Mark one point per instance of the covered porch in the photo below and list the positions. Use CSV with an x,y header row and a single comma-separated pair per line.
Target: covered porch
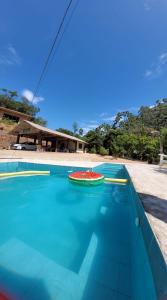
x,y
47,139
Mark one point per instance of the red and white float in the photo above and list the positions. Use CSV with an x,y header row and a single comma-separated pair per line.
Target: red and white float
x,y
86,177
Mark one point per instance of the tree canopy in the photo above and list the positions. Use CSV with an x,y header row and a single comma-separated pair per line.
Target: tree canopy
x,y
66,131
69,132
133,136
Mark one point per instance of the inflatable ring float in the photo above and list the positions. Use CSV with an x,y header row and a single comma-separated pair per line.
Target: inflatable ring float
x,y
87,177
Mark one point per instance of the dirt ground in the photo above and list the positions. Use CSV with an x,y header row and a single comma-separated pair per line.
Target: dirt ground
x,y
57,156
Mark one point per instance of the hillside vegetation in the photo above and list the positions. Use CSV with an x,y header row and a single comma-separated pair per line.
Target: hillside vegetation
x,y
10,99
142,136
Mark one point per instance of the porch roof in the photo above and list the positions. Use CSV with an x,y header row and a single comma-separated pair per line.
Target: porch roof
x,y
15,113
27,128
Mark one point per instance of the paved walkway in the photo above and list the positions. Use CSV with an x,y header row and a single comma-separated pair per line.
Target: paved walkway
x,y
151,183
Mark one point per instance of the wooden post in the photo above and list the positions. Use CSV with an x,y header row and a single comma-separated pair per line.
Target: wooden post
x,y
1,115
56,146
75,146
67,146
18,139
39,147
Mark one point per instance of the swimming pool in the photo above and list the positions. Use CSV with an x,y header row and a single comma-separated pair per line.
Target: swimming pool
x,y
60,240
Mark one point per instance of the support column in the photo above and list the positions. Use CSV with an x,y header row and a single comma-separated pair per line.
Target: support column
x,y
39,146
1,115
56,145
67,146
75,146
18,139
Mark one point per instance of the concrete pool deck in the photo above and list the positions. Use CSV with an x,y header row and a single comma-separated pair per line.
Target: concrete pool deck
x,y
150,182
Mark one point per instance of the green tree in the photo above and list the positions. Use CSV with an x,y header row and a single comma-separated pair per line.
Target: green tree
x,y
66,131
103,151
75,127
13,94
94,139
163,138
40,121
81,131
154,116
92,150
8,100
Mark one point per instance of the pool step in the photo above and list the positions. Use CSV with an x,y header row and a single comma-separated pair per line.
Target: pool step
x,y
28,274
112,171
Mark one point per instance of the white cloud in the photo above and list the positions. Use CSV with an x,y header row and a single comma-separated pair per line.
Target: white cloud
x,y
147,5
109,119
103,114
106,117
88,125
85,130
93,126
148,73
29,96
157,68
9,56
132,109
93,121
163,58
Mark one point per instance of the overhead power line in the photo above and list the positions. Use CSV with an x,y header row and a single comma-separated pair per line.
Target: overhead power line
x,y
60,38
52,49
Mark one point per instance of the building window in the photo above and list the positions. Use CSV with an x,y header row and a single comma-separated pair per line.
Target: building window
x,y
80,146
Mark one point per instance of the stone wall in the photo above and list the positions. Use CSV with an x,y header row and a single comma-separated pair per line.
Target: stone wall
x,y
6,140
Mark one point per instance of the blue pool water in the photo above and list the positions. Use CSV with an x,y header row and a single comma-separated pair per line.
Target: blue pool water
x,y
60,240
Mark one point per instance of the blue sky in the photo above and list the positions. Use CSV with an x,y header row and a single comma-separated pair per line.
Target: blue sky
x,y
113,57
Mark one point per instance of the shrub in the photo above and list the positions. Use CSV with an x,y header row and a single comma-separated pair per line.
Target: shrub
x,y
103,151
8,121
152,150
93,150
164,139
